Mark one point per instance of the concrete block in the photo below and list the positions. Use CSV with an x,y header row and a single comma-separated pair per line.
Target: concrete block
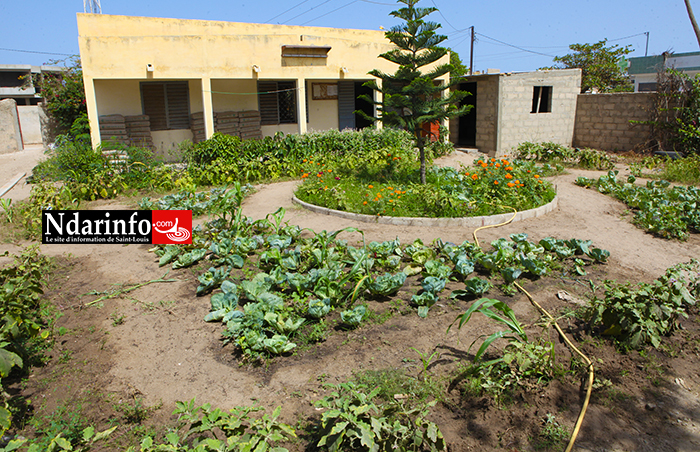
x,y
10,133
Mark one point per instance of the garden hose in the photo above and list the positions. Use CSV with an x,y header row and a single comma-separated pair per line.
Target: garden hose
x,y
571,346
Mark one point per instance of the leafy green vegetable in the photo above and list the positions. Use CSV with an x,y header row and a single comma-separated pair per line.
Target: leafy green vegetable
x,y
190,258
433,284
437,269
387,284
353,318
211,280
223,303
474,287
319,308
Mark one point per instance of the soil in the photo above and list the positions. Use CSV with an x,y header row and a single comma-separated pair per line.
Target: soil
x,y
152,347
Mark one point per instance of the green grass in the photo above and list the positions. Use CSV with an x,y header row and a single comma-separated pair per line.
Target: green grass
x,y
684,171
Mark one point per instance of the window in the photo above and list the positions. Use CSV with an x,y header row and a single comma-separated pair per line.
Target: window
x,y
166,104
643,87
541,99
277,102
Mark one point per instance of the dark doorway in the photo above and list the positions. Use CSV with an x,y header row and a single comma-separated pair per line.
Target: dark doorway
x,y
363,105
467,123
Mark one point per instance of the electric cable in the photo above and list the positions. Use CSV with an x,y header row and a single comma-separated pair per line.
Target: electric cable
x,y
329,12
285,12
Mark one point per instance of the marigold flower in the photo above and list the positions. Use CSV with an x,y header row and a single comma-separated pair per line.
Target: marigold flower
x,y
509,176
329,170
304,160
537,176
364,203
389,188
511,184
320,174
493,159
497,165
529,171
395,158
371,186
475,176
508,168
516,181
495,182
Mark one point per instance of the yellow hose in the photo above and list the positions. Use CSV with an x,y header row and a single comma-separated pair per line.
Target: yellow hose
x,y
544,312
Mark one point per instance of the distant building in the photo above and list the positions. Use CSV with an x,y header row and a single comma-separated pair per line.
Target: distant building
x,y
643,70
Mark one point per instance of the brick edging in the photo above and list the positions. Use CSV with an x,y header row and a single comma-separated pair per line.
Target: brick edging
x,y
466,222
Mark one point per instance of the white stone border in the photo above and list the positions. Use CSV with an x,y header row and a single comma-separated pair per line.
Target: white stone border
x,y
465,222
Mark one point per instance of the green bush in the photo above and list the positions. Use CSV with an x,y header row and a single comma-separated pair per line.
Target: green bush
x,y
556,153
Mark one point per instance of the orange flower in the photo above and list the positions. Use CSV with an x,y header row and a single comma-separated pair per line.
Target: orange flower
x,y
304,160
529,171
364,203
508,168
517,181
320,174
537,176
379,195
371,186
483,164
329,170
497,165
395,158
475,176
366,194
495,182
511,184
493,159
509,176
389,188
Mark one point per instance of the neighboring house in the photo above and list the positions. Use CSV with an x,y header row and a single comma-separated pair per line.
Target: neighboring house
x,y
512,108
643,70
194,77
17,83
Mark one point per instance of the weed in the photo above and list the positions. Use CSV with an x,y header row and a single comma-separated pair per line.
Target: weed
x,y
135,412
117,319
552,435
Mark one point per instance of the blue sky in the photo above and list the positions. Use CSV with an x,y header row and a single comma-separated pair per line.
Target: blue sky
x,y
530,32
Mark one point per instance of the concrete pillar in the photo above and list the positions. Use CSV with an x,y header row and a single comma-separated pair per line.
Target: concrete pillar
x,y
207,107
93,114
10,132
301,104
378,96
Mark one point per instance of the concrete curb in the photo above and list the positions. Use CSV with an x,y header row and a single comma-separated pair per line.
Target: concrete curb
x,y
464,222
8,186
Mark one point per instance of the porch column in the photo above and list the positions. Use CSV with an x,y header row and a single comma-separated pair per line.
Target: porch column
x,y
207,108
93,116
378,96
301,104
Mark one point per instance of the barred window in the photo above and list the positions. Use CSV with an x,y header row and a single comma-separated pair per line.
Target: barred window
x,y
167,104
277,102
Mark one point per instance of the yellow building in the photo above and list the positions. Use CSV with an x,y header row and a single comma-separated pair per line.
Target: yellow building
x,y
184,72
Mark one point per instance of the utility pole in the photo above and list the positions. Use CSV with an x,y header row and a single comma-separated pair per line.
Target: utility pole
x,y
692,20
646,50
471,54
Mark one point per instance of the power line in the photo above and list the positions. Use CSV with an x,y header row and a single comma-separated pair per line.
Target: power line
x,y
378,3
308,10
281,14
34,51
516,47
445,18
329,12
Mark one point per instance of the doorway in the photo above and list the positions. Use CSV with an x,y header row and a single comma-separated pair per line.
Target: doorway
x,y
467,123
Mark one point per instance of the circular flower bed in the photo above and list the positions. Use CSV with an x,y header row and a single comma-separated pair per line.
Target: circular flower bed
x,y
385,182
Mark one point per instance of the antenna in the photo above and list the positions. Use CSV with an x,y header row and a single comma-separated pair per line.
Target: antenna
x,y
92,6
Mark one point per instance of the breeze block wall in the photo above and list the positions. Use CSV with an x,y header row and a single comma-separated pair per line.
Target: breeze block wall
x,y
603,121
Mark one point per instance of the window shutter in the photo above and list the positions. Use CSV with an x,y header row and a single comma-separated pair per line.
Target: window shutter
x,y
153,98
346,105
267,102
166,104
177,96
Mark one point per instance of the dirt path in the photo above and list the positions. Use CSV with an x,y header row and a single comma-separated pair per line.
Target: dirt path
x,y
157,345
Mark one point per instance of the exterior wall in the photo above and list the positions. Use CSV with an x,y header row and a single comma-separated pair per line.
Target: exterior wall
x,y
603,120
118,97
323,114
10,135
234,102
30,124
487,113
208,52
516,123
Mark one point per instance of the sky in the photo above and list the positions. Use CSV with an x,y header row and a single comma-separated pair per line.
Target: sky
x,y
512,36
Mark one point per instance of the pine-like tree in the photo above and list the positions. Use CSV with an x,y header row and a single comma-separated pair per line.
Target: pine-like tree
x,y
411,98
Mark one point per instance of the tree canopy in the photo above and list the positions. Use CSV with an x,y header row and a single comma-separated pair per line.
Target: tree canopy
x,y
599,64
412,98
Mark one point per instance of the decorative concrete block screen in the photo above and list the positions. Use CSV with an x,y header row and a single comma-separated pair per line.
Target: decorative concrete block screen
x,y
603,121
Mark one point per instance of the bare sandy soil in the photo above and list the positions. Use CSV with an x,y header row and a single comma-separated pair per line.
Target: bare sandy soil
x,y
154,344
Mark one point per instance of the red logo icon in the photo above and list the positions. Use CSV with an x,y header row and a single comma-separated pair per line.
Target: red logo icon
x,y
171,227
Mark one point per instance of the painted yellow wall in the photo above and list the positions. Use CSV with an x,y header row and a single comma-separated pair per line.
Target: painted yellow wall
x,y
215,55
121,97
323,114
227,95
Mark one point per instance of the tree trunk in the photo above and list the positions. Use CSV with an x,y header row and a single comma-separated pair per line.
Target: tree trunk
x,y
421,151
693,21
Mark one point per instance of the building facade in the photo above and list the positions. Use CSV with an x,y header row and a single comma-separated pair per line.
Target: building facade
x,y
191,78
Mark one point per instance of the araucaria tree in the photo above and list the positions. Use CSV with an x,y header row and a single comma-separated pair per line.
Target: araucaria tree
x,y
412,98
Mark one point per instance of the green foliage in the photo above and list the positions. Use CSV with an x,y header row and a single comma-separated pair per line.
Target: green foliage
x,y
684,170
411,98
548,152
20,291
63,93
385,182
641,314
669,212
200,428
83,441
600,66
552,435
352,420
